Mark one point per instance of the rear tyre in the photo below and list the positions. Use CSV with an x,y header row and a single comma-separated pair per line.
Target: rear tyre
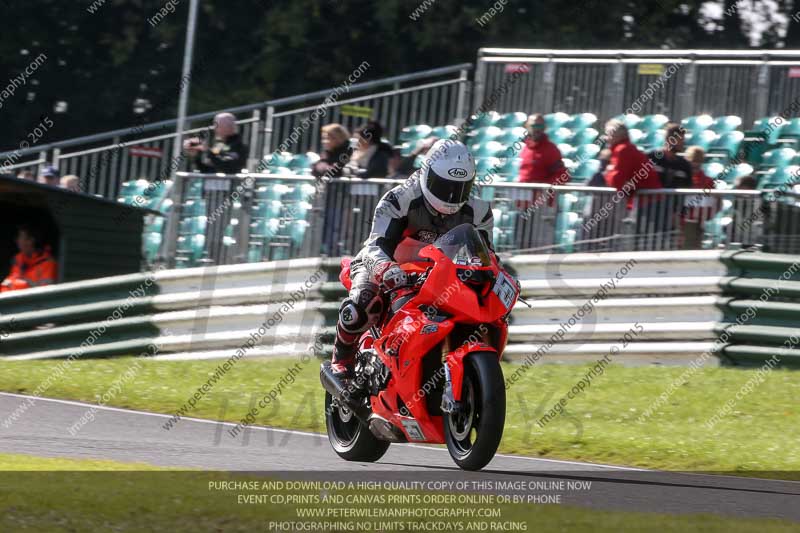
x,y
473,435
351,439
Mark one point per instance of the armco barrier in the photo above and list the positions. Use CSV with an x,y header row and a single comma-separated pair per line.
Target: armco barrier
x,y
764,288
683,302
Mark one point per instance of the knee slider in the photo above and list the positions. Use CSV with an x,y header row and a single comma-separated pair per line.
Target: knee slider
x,y
361,309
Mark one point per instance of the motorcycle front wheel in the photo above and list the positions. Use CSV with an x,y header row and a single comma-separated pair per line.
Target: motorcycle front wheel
x,y
351,439
473,434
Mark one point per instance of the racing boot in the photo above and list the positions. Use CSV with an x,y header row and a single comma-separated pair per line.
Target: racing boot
x,y
344,354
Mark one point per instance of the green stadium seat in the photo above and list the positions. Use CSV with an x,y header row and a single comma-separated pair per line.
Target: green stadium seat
x,y
780,177
414,133
444,132
652,123
584,136
511,168
553,121
192,247
631,120
765,130
790,132
581,121
566,149
741,170
278,160
585,152
512,135
703,139
302,163
584,171
727,124
483,135
155,224
194,208
713,170
484,120
193,189
300,192
152,243
652,139
560,135
488,149
635,135
268,209
727,144
296,231
778,158
698,123
407,148
512,120
192,225
265,229
487,166
299,210
271,191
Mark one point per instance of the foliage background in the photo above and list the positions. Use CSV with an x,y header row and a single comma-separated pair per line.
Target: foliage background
x,y
114,69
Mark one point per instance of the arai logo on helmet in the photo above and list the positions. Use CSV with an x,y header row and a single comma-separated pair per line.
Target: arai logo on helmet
x,y
457,172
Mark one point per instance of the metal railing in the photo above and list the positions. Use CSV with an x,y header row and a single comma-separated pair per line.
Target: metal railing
x,y
227,219
676,83
105,160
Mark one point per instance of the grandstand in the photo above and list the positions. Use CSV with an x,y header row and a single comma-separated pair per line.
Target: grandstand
x,y
279,214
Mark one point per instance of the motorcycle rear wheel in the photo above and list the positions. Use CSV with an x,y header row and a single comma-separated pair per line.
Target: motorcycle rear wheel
x,y
473,435
349,437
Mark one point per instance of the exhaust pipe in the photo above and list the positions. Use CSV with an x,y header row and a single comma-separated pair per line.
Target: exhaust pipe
x,y
339,390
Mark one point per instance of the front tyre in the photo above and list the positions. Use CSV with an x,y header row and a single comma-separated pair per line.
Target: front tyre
x,y
350,439
473,434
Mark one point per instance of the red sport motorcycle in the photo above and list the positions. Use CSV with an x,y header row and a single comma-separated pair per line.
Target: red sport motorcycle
x,y
430,372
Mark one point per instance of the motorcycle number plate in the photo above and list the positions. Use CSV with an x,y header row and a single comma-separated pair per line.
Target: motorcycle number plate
x,y
505,290
413,430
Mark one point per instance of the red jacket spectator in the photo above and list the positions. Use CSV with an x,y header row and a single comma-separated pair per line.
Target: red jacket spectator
x,y
33,270
630,170
541,162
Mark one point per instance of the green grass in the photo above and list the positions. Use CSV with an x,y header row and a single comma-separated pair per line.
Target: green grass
x,y
61,502
760,435
11,462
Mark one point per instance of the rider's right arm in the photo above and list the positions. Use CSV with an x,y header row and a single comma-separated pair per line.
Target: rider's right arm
x,y
388,225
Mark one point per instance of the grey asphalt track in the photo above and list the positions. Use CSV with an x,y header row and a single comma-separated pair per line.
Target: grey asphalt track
x,y
135,436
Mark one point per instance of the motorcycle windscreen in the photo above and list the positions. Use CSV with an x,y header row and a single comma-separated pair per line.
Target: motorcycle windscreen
x,y
464,246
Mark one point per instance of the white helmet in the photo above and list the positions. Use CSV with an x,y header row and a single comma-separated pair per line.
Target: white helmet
x,y
447,175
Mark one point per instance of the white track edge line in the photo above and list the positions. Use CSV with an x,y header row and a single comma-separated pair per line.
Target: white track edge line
x,y
294,432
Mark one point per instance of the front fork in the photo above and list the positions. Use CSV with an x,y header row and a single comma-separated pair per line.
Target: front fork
x,y
454,373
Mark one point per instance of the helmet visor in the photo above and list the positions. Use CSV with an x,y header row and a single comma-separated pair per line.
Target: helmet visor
x,y
447,189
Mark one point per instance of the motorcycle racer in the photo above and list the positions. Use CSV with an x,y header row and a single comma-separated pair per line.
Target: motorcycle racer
x,y
434,200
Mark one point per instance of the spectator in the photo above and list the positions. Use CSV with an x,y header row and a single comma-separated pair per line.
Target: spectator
x,y
336,152
371,157
396,170
675,171
335,155
628,169
71,182
541,159
227,154
50,176
26,175
598,180
698,208
34,265
408,164
747,183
